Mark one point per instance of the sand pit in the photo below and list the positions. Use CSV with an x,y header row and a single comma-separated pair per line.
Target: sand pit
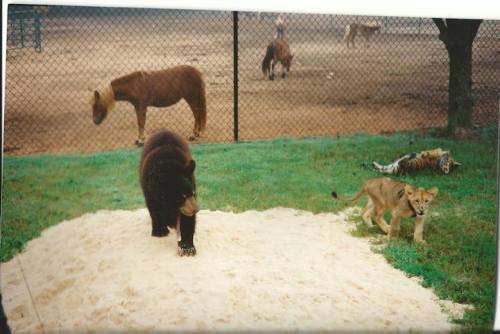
x,y
277,269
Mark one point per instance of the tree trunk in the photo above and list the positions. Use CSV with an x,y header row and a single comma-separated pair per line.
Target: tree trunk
x,y
458,35
460,87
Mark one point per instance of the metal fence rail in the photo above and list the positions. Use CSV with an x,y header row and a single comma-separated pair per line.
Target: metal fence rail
x,y
397,81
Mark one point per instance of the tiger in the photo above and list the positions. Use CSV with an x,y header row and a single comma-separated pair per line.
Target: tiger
x,y
367,30
432,159
403,199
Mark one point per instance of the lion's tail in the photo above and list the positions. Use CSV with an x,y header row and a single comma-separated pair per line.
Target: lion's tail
x,y
266,62
352,199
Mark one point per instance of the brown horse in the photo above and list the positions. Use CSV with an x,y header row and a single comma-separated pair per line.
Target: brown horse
x,y
158,89
277,51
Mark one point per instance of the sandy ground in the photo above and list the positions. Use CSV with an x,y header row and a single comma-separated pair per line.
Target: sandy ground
x,y
398,83
276,269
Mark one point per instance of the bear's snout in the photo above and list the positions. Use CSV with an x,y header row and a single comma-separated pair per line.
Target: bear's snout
x,y
190,207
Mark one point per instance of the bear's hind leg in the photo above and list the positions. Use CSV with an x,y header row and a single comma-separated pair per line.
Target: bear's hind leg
x,y
159,227
159,219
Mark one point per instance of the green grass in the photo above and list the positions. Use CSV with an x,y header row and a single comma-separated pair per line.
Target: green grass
x,y
459,261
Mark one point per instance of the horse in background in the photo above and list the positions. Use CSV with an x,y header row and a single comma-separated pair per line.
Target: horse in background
x,y
277,51
366,30
161,88
280,27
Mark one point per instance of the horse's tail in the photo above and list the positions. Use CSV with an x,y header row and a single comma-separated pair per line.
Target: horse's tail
x,y
203,106
266,62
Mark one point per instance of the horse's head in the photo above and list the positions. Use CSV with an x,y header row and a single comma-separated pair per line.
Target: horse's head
x,y
99,111
101,104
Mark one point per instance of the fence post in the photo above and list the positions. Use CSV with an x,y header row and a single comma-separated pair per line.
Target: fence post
x,y
38,34
235,75
21,27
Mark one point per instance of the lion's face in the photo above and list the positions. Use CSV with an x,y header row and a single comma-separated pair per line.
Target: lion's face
x,y
99,111
420,199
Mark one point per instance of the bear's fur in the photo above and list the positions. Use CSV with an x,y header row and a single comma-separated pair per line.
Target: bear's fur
x,y
167,180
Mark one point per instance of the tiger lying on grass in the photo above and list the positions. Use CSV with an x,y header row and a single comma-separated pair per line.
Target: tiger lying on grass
x,y
433,159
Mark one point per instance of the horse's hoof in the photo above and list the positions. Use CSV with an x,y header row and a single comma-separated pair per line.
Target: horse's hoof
x,y
271,77
283,75
191,138
139,143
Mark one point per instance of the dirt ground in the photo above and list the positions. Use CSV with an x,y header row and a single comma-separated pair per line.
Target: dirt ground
x,y
398,83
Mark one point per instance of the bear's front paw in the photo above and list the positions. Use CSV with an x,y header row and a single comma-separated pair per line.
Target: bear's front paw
x,y
185,249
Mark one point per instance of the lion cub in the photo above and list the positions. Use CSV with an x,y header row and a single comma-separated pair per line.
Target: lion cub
x,y
401,198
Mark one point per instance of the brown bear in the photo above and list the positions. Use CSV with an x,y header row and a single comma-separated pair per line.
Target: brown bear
x,y
167,180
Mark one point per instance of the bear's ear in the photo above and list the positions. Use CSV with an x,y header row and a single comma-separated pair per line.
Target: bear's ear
x,y
191,166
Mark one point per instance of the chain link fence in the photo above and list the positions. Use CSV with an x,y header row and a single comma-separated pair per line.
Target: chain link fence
x,y
398,80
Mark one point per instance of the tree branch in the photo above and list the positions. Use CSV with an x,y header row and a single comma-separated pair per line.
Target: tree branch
x,y
443,31
475,27
461,31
